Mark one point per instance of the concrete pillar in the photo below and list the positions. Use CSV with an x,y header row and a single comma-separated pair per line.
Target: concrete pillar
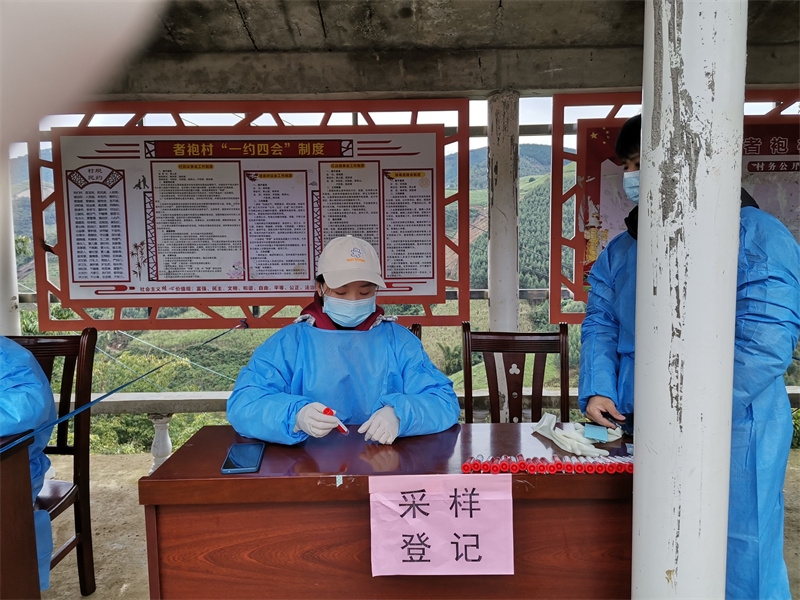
x,y
9,293
694,65
503,132
162,445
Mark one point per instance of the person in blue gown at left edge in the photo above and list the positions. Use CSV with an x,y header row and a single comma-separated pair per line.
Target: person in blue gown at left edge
x,y
342,353
26,402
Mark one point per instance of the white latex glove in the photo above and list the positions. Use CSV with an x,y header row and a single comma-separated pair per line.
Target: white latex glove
x,y
577,444
313,421
570,441
383,426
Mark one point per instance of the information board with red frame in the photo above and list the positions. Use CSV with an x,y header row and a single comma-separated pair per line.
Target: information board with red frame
x,y
590,198
220,219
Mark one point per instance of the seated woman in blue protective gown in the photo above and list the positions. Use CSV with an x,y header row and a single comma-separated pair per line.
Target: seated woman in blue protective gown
x,y
342,360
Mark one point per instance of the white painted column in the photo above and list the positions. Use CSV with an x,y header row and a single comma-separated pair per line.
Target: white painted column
x,y
694,66
9,292
503,132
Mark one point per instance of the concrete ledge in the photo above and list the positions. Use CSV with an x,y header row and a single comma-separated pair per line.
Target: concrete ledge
x,y
193,402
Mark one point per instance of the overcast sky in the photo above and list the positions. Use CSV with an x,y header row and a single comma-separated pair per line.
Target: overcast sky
x,y
532,111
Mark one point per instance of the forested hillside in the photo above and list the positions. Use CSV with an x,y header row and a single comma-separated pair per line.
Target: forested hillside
x,y
534,235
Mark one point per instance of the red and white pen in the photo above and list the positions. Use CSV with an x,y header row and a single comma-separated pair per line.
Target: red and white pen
x,y
339,425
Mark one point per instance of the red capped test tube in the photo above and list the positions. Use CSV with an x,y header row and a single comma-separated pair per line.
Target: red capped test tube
x,y
476,463
558,462
505,465
339,425
599,466
550,465
579,468
533,464
466,466
513,465
486,465
541,466
623,464
494,465
523,465
587,466
568,466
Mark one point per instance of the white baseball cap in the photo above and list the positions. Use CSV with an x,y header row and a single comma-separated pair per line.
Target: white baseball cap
x,y
347,259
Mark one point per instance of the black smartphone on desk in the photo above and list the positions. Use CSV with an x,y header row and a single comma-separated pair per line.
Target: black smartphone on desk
x,y
243,458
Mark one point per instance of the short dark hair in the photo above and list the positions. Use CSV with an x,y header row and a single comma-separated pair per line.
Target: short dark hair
x,y
629,138
320,279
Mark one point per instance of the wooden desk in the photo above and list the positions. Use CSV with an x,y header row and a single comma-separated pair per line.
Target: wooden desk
x,y
300,527
19,569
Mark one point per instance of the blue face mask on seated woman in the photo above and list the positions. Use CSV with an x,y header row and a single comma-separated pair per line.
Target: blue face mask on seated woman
x,y
630,183
348,313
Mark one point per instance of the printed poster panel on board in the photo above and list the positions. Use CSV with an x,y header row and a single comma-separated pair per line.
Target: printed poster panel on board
x,y
770,173
234,216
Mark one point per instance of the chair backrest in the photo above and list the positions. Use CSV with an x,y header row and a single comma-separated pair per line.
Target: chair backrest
x,y
504,356
76,373
416,329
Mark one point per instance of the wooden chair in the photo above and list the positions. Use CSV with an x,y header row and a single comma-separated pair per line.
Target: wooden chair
x,y
504,358
56,496
416,329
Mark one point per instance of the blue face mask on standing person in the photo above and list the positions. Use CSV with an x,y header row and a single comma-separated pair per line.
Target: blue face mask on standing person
x,y
348,313
630,183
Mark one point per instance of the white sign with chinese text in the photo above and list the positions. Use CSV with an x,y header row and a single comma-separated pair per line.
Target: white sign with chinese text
x,y
442,525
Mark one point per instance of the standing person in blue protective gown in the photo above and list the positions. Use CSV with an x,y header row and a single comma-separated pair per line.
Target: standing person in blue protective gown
x,y
26,402
342,353
767,327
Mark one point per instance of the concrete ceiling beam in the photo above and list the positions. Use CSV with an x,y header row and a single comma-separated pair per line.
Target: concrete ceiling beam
x,y
406,74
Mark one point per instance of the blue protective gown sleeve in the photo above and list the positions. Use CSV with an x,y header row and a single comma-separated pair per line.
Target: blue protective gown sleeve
x,y
26,402
607,333
767,328
353,372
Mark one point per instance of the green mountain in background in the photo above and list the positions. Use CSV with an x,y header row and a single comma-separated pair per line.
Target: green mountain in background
x,y
534,159
19,168
20,193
